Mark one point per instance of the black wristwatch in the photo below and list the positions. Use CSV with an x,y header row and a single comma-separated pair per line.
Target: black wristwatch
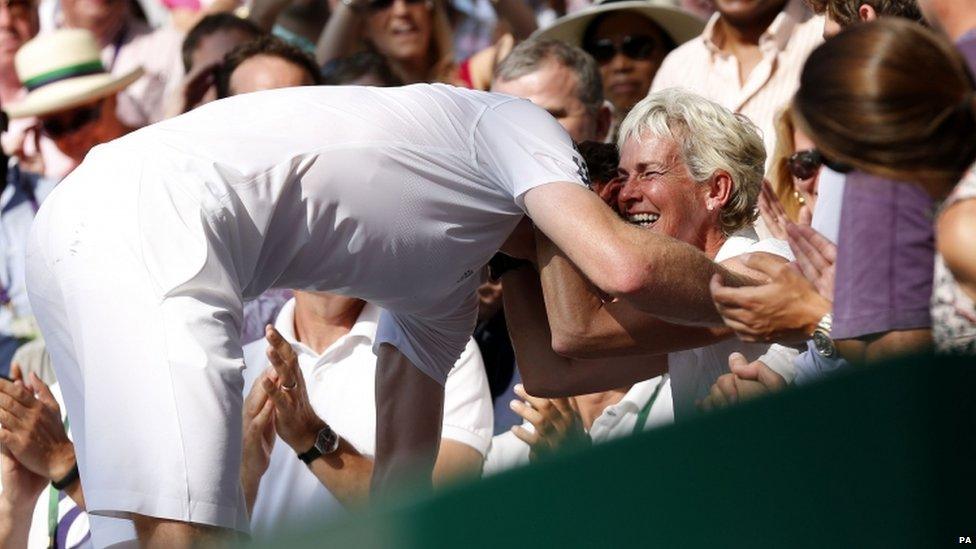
x,y
326,442
501,264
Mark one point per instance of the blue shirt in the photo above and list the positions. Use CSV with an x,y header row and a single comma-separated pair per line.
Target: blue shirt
x,y
18,201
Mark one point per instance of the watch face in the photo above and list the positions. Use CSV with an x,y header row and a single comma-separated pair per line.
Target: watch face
x,y
327,441
823,344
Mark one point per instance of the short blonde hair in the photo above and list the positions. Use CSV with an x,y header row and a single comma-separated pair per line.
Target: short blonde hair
x,y
710,138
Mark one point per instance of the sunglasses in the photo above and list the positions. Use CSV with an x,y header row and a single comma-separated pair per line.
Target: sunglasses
x,y
636,47
806,164
71,121
380,5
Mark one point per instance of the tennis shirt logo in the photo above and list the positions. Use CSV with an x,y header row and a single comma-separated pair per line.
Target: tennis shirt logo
x,y
581,169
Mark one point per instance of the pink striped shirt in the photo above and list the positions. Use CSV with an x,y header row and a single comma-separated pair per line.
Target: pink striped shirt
x,y
700,66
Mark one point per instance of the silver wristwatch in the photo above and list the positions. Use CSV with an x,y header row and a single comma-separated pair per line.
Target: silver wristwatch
x,y
821,337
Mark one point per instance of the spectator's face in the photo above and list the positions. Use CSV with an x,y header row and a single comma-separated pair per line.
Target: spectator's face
x,y
213,47
554,88
640,48
266,72
749,12
402,31
98,16
658,192
18,24
76,130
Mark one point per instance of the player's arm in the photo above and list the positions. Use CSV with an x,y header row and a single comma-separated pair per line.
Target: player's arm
x,y
653,272
586,326
547,374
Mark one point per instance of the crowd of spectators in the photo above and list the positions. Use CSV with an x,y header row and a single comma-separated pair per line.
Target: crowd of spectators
x,y
820,153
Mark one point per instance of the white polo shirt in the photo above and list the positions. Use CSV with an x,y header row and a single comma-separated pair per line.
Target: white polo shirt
x,y
616,421
695,370
341,387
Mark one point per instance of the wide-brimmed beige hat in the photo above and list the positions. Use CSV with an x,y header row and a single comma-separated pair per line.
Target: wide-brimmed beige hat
x,y
678,23
63,69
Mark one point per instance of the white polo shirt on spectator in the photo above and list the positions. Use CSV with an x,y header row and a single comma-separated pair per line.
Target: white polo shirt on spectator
x,y
616,421
695,370
699,65
341,387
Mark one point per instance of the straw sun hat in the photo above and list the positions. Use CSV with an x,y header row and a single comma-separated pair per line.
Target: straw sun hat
x,y
678,23
63,69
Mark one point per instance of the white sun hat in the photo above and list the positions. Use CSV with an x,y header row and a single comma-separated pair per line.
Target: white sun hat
x,y
63,69
681,25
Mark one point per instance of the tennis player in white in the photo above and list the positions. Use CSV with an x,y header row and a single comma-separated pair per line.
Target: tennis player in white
x,y
140,260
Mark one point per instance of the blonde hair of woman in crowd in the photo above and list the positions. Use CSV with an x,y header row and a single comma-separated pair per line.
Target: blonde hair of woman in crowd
x,y
779,176
428,58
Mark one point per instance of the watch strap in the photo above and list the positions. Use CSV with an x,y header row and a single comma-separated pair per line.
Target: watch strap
x,y
67,480
310,455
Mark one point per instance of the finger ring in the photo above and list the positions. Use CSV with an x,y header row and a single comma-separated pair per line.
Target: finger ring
x,y
290,387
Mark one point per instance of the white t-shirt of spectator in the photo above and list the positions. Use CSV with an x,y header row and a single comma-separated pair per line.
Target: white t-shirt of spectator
x,y
341,388
619,420
695,370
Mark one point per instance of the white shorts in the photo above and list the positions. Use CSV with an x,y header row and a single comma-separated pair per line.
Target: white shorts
x,y
150,369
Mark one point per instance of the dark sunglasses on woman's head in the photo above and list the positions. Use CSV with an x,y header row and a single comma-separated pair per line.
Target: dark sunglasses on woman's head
x,y
380,5
805,164
71,121
637,47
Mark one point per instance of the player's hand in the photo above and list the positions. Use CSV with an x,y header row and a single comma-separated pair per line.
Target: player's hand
x,y
295,420
746,380
32,430
259,434
786,309
557,424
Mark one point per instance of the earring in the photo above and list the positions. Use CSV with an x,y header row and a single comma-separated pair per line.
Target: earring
x,y
799,198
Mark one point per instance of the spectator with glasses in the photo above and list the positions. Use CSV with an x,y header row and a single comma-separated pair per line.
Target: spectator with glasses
x,y
629,40
70,92
793,175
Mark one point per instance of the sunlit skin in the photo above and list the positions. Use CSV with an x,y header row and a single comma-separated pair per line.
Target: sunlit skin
x,y
213,47
18,24
267,72
402,33
626,81
657,182
104,18
554,88
749,13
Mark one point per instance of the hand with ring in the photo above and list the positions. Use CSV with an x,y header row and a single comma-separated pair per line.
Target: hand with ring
x,y
295,420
